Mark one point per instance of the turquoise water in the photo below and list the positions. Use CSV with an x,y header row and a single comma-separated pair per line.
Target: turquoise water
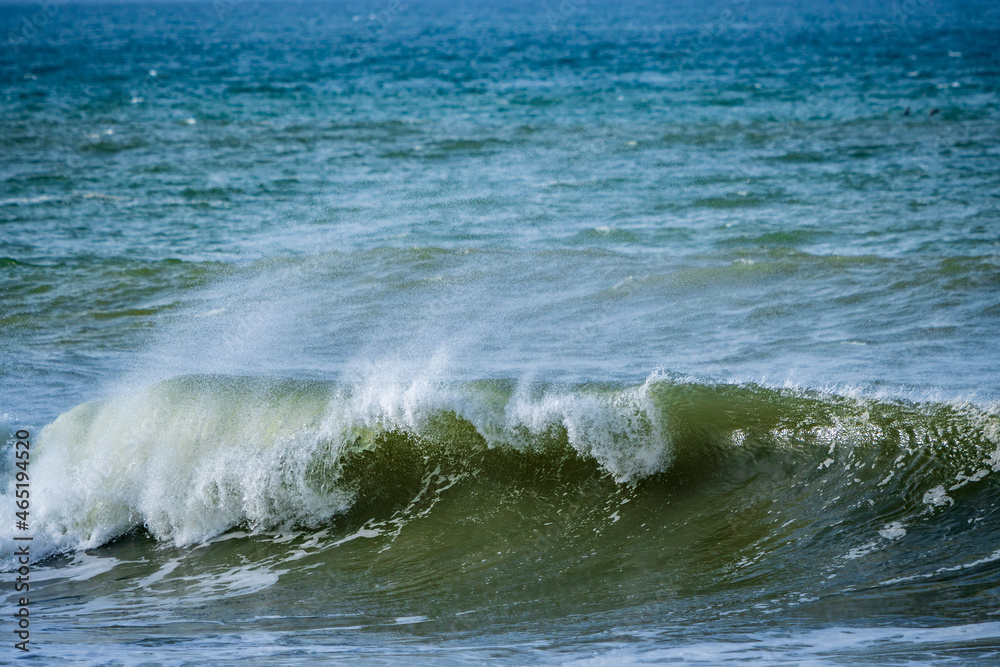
x,y
579,332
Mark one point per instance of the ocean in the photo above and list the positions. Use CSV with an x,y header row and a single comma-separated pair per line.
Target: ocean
x,y
431,332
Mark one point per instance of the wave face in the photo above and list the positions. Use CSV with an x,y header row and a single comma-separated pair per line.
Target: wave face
x,y
654,493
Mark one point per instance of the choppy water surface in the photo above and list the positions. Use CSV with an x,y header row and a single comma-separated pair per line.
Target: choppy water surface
x,y
449,333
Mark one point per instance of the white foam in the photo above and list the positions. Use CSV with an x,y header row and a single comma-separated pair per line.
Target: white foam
x,y
937,497
410,620
893,531
166,569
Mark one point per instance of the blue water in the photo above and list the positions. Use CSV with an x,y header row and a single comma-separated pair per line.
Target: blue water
x,y
330,267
